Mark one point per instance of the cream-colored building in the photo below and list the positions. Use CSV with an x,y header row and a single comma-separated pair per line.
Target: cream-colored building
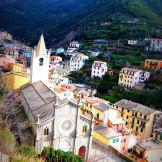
x,y
129,77
138,118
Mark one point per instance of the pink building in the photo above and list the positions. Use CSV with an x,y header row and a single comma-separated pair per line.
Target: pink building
x,y
99,69
55,59
55,62
70,87
111,72
118,140
5,61
11,51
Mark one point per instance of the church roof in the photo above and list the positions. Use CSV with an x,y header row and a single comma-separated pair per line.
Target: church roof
x,y
40,100
41,47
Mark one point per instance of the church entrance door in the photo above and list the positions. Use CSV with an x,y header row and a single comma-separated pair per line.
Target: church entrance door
x,y
82,151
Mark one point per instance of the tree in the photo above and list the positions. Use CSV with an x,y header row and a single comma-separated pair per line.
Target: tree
x,y
51,155
26,150
10,107
7,139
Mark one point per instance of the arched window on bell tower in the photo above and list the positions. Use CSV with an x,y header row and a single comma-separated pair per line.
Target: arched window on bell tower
x,y
46,131
84,129
41,61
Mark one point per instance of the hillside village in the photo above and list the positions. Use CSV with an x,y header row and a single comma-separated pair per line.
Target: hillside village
x,y
101,100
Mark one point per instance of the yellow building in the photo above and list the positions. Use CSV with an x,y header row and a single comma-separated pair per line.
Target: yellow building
x,y
99,136
16,67
138,118
107,136
153,64
95,108
9,36
16,77
14,81
100,112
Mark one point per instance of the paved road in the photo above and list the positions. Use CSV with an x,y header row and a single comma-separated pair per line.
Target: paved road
x,y
99,154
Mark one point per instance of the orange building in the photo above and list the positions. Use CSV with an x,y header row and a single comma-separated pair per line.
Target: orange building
x,y
153,64
5,60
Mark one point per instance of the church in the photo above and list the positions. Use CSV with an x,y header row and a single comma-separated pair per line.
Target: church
x,y
55,123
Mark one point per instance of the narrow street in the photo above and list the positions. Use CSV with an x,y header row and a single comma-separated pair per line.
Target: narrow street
x,y
99,154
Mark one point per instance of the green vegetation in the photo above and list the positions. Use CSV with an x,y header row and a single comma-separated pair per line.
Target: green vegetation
x,y
2,92
7,139
25,153
142,8
149,98
1,51
33,18
51,155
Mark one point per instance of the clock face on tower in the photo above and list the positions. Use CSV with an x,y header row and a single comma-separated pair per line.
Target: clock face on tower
x,y
66,126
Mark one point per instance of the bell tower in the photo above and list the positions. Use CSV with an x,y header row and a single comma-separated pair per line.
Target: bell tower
x,y
40,63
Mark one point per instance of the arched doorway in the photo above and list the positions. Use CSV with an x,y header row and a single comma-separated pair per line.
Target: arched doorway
x,y
82,151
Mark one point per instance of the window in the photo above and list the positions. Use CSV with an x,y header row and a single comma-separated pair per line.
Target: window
x,y
136,129
46,131
84,129
41,61
98,115
117,140
137,121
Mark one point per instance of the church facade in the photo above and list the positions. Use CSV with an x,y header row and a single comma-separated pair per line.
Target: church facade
x,y
56,123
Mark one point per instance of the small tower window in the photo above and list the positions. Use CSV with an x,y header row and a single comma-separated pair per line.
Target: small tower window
x,y
41,61
84,129
46,131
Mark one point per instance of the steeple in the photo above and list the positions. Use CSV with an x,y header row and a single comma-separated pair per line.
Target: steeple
x,y
41,47
40,63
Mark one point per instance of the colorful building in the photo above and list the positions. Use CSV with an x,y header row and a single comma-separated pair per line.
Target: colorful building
x,y
87,105
99,69
5,61
73,46
149,150
11,51
118,140
153,64
157,121
138,118
16,77
100,113
55,59
77,61
129,77
14,81
115,120
16,67
156,44
5,36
